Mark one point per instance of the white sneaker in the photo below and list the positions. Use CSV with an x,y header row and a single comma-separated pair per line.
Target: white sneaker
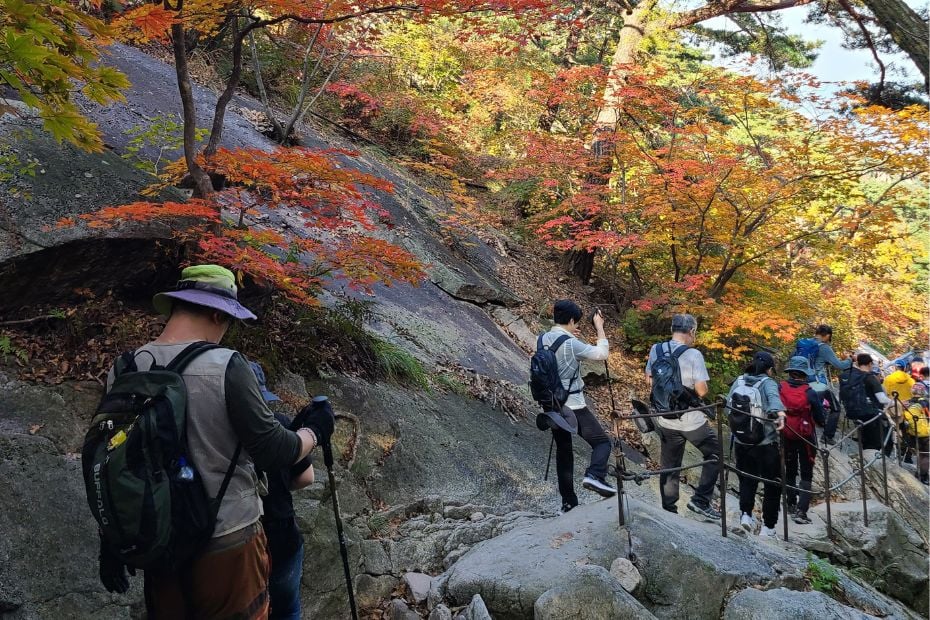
x,y
768,532
598,486
748,522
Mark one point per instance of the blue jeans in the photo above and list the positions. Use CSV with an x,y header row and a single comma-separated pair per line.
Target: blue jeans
x,y
284,585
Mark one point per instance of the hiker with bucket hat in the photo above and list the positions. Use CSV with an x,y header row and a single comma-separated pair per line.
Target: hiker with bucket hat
x,y
285,541
803,408
560,353
229,432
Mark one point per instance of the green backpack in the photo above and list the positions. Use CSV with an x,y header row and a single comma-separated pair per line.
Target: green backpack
x,y
142,486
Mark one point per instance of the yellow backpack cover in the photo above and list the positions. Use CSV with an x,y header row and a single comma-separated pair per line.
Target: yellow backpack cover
x,y
915,414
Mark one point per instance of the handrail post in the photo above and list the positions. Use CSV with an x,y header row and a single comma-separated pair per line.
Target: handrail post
x,y
827,492
723,472
784,490
865,508
885,470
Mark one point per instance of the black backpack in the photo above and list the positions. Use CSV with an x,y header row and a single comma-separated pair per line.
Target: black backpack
x,y
854,397
668,392
545,382
142,487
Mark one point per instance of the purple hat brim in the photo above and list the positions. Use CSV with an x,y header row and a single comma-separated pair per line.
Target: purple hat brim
x,y
203,298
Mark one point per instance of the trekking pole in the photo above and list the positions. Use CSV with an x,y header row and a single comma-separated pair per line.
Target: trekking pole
x,y
343,545
723,470
549,460
619,462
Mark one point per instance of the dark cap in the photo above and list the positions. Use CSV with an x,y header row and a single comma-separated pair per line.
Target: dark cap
x,y
762,361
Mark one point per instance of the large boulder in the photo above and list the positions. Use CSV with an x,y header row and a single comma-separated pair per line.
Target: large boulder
x,y
512,571
888,553
590,593
907,496
784,604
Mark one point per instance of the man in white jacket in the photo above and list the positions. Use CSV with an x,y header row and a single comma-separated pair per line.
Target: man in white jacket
x,y
567,315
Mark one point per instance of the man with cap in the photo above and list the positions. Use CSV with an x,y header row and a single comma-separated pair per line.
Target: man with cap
x,y
285,541
803,408
762,459
690,426
576,416
229,578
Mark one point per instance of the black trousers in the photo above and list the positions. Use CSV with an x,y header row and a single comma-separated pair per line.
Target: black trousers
x,y
593,433
919,447
673,451
833,414
873,433
763,461
799,455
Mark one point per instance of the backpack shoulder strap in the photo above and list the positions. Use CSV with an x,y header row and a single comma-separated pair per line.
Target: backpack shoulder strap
x,y
677,353
185,357
539,343
226,480
558,342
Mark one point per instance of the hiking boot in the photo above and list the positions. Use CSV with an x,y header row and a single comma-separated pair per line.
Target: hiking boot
x,y
801,518
747,522
908,459
925,480
792,508
566,507
830,441
598,486
708,512
768,532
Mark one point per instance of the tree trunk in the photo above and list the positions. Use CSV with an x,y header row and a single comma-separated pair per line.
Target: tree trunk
x,y
219,113
579,263
631,34
202,184
906,28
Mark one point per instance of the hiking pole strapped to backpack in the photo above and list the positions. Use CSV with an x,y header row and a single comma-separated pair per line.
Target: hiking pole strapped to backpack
x,y
343,545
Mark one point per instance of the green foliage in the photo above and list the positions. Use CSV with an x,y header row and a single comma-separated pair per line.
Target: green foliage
x,y
399,366
822,575
46,50
8,350
164,132
763,36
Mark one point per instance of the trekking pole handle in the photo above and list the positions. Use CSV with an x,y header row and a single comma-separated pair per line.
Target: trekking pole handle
x,y
326,444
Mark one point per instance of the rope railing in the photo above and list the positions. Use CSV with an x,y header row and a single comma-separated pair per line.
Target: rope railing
x,y
826,491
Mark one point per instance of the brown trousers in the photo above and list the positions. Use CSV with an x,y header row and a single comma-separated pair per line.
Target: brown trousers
x,y
228,581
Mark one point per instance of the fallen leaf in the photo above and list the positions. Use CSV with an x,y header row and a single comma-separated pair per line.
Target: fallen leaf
x,y
35,428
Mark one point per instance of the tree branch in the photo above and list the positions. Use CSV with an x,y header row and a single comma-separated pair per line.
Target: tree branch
x,y
716,9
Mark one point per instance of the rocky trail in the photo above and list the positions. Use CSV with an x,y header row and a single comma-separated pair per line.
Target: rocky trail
x,y
442,493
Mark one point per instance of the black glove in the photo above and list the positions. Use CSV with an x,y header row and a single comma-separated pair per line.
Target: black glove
x,y
318,417
113,571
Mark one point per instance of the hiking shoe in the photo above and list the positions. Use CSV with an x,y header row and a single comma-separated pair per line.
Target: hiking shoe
x,y
925,480
566,507
708,512
830,441
598,486
768,532
909,459
792,508
747,522
801,518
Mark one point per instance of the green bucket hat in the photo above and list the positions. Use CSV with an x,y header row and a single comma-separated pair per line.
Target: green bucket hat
x,y
210,286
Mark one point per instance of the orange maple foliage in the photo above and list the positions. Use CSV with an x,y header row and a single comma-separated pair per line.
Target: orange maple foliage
x,y
332,201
